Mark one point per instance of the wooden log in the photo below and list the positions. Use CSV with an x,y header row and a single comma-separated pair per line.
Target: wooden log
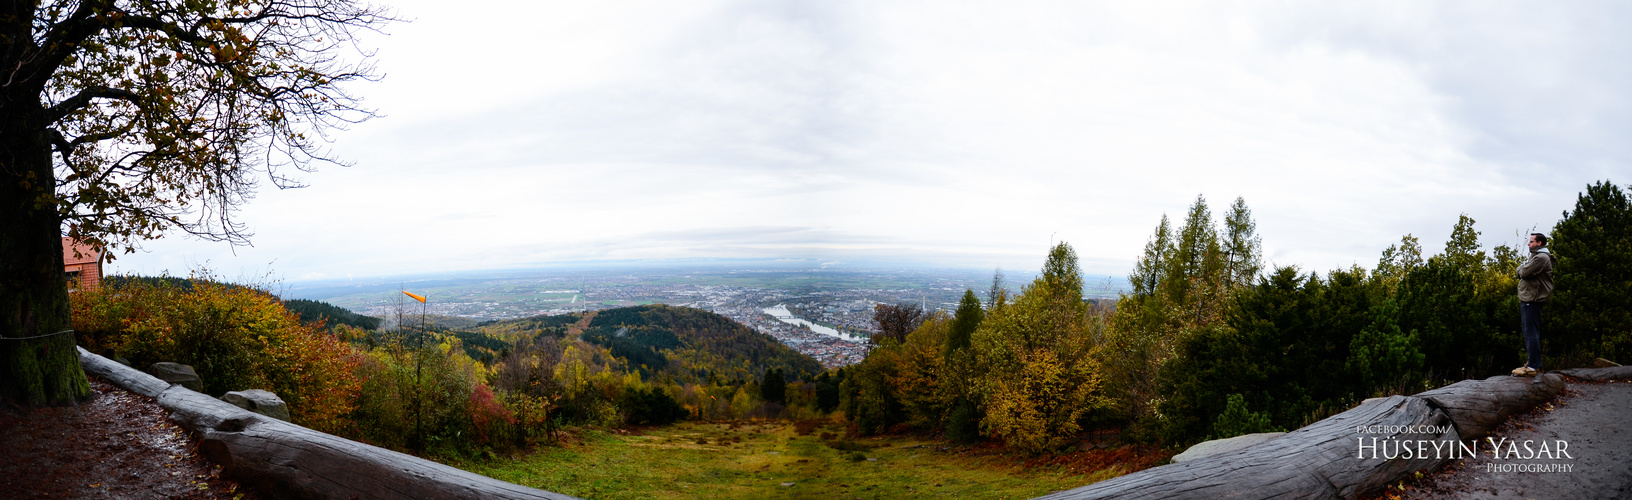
x,y
125,377
1599,374
1226,445
1330,459
1477,407
1327,459
283,460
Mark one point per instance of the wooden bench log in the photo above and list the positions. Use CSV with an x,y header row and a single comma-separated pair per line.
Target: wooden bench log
x,y
283,460
1322,460
1477,407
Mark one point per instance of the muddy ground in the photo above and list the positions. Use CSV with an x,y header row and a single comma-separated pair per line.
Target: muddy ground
x,y
117,445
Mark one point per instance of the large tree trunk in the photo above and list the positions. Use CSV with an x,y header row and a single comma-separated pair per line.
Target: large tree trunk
x,y
33,290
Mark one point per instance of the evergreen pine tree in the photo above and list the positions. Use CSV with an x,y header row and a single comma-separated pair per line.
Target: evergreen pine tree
x,y
996,294
1186,270
964,322
1242,248
775,387
1237,420
1148,271
1591,311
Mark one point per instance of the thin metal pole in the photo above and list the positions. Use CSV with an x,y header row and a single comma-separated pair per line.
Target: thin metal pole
x,y
419,383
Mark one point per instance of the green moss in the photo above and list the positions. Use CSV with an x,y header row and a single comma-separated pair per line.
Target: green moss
x,y
43,371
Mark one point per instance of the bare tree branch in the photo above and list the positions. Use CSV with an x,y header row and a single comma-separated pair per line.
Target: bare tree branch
x,y
83,98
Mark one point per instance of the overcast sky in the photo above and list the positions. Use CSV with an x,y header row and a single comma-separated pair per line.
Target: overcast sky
x,y
968,134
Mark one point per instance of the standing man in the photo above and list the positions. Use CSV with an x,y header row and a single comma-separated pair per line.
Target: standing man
x,y
1535,287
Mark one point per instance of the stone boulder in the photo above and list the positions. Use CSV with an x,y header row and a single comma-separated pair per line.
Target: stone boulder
x,y
1604,363
1225,445
176,373
259,401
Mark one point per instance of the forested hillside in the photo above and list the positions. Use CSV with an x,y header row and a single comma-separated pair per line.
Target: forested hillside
x,y
311,311
692,345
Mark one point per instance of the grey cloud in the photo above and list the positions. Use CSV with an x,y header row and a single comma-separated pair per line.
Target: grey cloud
x,y
1542,85
784,87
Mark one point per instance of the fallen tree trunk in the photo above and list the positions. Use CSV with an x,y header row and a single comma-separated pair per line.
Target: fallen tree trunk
x,y
1599,374
284,460
1477,407
1317,461
1345,455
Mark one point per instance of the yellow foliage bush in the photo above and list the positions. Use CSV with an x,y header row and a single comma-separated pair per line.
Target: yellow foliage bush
x,y
1038,362
236,338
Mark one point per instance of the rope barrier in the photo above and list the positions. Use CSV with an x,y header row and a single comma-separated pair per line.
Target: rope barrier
x,y
36,336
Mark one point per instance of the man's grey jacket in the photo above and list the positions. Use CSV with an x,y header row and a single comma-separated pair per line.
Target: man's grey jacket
x,y
1536,276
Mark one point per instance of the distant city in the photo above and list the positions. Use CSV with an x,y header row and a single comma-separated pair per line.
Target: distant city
x,y
825,313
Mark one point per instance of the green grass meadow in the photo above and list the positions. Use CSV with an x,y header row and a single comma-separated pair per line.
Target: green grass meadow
x,y
760,460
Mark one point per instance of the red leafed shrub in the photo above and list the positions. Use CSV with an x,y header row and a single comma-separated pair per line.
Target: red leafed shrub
x,y
488,415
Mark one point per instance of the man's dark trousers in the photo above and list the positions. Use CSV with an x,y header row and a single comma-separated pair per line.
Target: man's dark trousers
x,y
1530,320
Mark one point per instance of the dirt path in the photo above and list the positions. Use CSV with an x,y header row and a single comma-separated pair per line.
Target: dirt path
x,y
117,445
1590,417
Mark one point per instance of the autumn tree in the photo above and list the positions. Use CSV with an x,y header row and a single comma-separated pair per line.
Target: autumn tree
x,y
1038,364
1397,261
895,321
123,120
921,376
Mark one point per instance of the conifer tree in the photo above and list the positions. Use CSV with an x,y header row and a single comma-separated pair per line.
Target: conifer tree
x,y
1148,271
997,292
964,322
1191,255
963,419
1591,313
775,387
1242,248
1382,354
1195,271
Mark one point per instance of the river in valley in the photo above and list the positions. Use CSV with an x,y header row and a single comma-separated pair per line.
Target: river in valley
x,y
781,313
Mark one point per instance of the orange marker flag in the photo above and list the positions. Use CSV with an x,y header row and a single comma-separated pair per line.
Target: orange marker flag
x,y
420,298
